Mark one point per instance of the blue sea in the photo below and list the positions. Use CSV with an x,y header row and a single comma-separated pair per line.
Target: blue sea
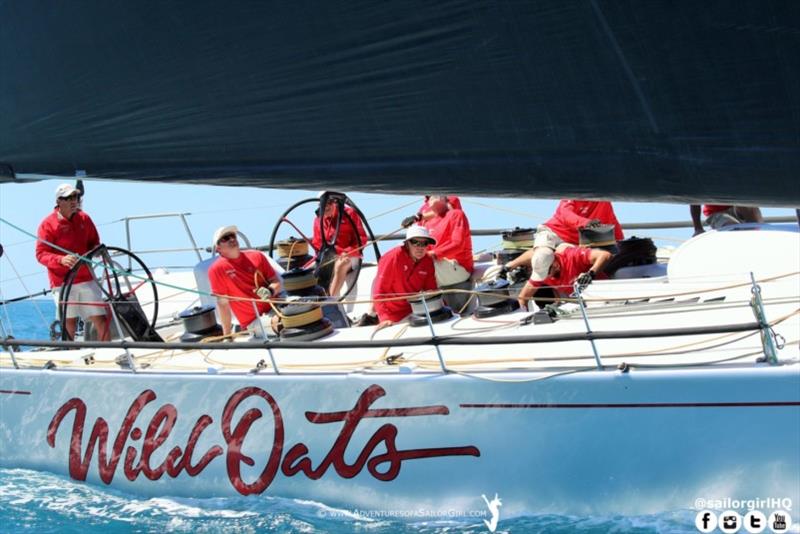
x,y
42,502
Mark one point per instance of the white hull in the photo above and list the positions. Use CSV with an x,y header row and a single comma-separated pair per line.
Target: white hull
x,y
726,432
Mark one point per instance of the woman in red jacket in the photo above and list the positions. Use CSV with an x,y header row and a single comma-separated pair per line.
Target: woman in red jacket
x,y
349,242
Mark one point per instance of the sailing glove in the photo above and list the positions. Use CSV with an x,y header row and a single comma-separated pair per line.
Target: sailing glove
x,y
408,221
264,293
593,223
584,279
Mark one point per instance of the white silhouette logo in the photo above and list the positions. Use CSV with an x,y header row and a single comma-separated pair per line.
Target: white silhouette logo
x,y
494,507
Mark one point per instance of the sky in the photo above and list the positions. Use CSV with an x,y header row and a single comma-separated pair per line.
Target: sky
x,y
255,211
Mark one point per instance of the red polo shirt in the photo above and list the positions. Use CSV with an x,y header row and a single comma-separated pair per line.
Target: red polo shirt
x,y
574,261
453,239
78,235
573,214
711,209
346,242
236,278
398,274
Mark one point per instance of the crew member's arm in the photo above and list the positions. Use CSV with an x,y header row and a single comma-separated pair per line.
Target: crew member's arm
x,y
566,211
224,308
55,260
599,258
526,294
694,210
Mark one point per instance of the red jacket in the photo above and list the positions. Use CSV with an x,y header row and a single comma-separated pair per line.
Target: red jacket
x,y
573,214
574,261
236,278
78,235
711,209
453,239
398,274
346,243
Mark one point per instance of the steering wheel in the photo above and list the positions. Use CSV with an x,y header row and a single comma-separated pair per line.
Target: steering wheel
x,y
116,282
324,256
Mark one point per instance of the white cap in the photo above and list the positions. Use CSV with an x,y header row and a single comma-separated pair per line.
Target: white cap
x,y
541,262
416,231
224,230
65,190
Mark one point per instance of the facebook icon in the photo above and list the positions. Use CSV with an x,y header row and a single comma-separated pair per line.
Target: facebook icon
x,y
705,521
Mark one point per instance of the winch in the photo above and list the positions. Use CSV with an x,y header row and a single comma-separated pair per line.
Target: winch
x,y
436,308
303,320
293,253
494,299
199,322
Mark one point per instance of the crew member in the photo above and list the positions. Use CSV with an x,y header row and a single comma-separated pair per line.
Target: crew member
x,y
348,250
239,276
563,227
404,270
720,215
570,264
452,253
71,229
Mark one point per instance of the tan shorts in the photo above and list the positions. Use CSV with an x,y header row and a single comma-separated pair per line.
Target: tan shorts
x,y
449,272
545,237
83,292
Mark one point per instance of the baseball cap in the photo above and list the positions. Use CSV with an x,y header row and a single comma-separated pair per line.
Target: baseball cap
x,y
65,190
541,262
224,230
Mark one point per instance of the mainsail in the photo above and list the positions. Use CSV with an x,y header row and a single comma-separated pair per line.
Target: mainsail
x,y
683,101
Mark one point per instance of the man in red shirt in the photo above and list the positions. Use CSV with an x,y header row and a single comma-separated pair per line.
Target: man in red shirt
x,y
348,250
570,264
239,276
70,229
452,253
719,215
562,227
403,271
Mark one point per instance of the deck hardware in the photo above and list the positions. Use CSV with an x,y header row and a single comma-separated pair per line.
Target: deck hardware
x,y
130,362
767,334
433,335
579,298
49,365
266,339
395,359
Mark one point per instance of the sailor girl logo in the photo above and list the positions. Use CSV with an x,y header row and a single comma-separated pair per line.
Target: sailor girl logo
x,y
142,444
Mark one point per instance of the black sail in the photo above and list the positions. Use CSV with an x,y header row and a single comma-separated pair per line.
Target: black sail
x,y
638,100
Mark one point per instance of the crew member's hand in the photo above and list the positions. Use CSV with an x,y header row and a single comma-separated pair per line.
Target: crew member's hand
x,y
502,273
384,324
264,293
593,223
584,279
69,260
408,221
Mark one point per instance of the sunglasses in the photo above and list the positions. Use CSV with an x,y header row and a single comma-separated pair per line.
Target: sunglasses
x,y
73,196
226,238
418,243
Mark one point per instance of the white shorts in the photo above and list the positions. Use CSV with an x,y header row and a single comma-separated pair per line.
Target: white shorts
x,y
83,292
545,237
262,321
449,272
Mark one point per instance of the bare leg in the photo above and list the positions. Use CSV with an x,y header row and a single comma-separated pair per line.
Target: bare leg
x,y
70,325
748,214
340,269
100,323
523,259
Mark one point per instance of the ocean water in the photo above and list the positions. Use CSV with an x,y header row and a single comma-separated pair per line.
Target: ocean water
x,y
39,502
